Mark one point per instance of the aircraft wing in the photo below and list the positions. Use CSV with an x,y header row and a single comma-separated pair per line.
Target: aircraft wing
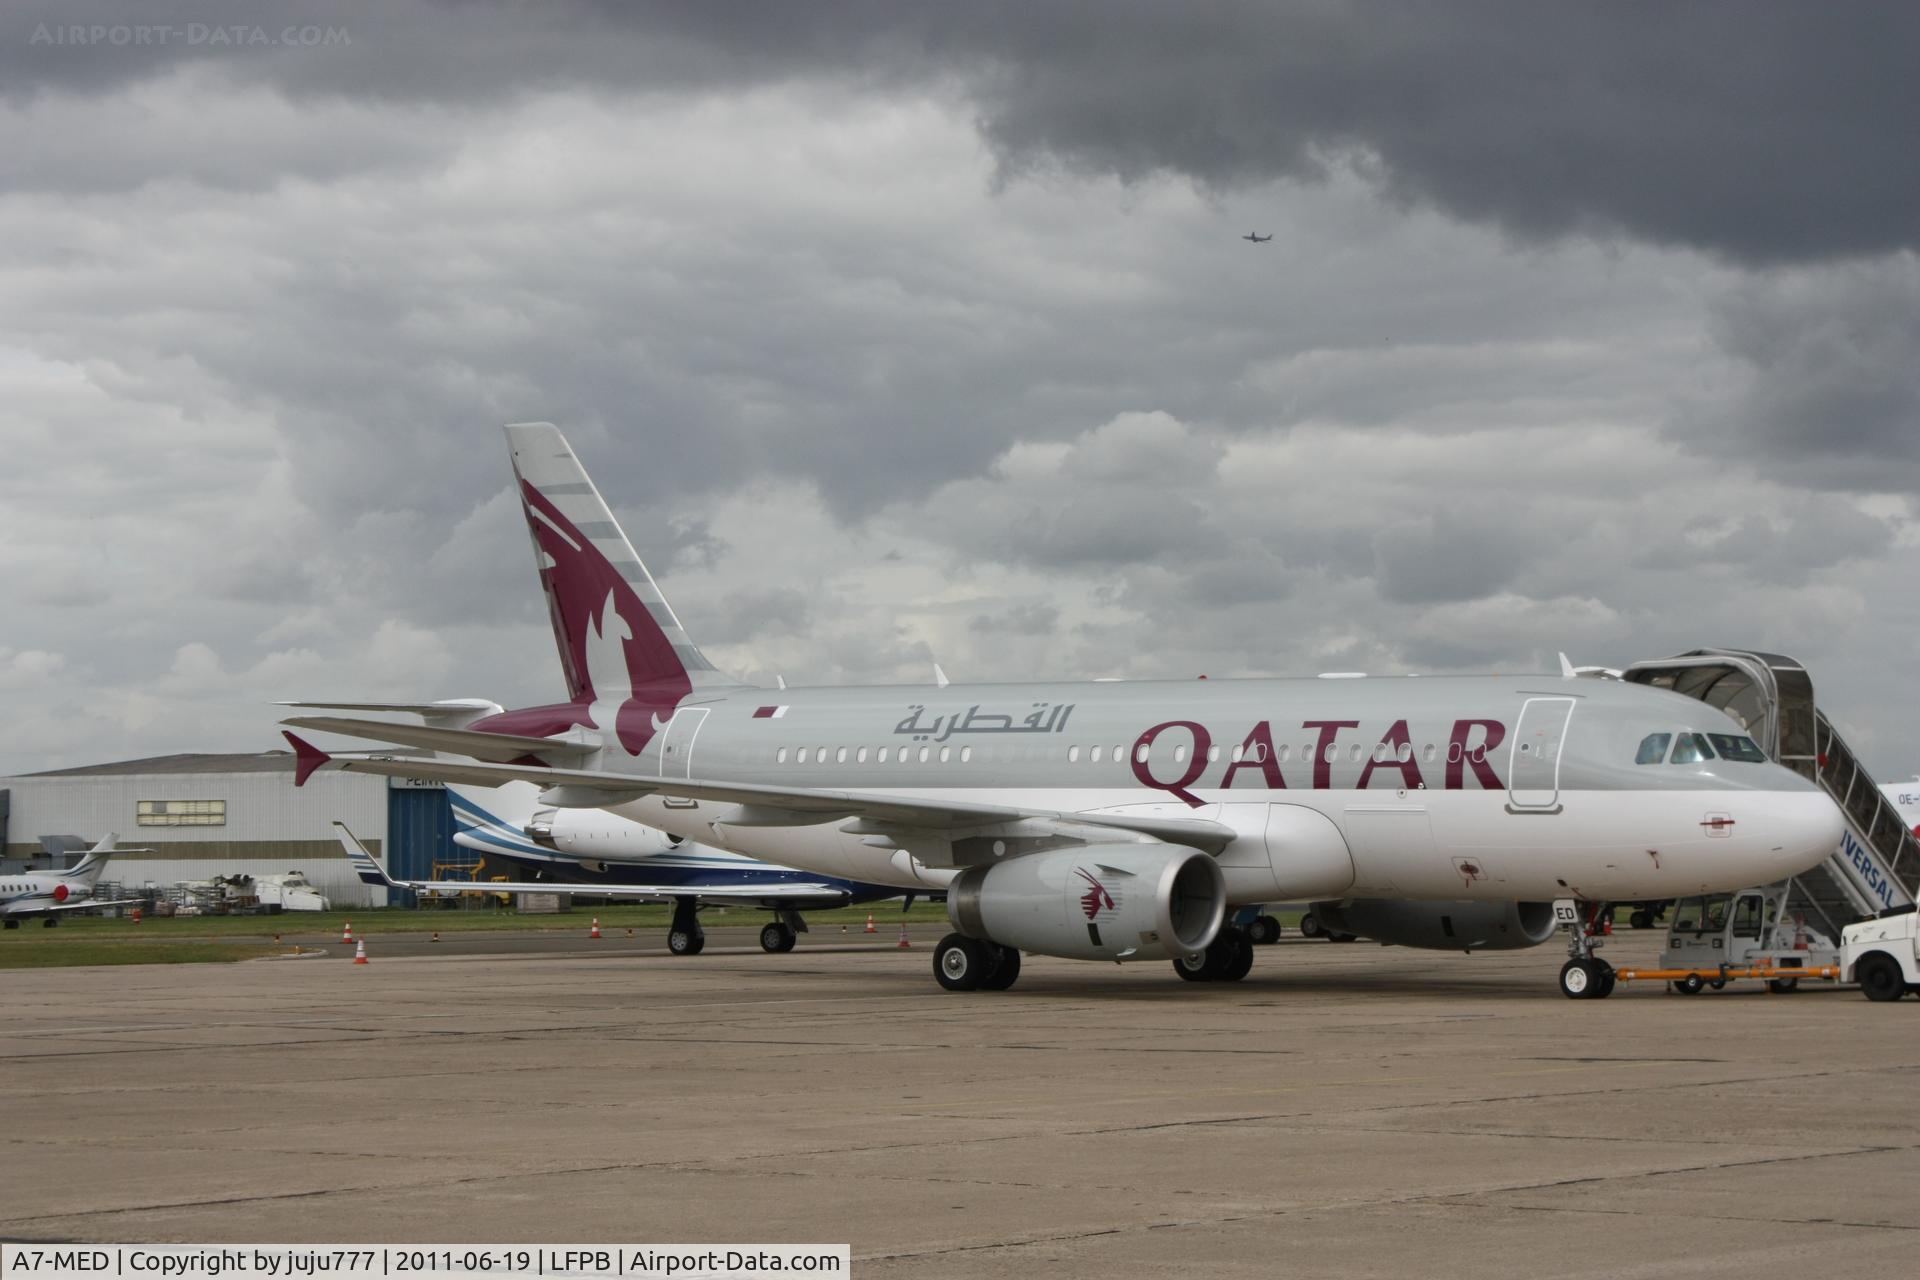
x,y
372,871
763,805
464,742
88,904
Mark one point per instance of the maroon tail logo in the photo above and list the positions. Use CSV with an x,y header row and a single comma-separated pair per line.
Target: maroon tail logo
x,y
1096,898
596,611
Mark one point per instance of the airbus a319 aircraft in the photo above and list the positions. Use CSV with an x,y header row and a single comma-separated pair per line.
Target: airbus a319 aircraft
x,y
1119,821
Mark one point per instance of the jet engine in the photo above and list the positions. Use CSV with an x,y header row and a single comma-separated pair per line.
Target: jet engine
x,y
1441,926
588,833
1095,902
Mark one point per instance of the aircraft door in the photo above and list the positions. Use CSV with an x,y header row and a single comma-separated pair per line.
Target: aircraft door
x,y
675,757
1533,769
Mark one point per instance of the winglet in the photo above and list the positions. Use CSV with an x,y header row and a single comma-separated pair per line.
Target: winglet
x,y
1566,668
364,864
940,677
306,757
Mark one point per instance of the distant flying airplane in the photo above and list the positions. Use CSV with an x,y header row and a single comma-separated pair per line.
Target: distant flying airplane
x,y
1120,820
1256,237
49,894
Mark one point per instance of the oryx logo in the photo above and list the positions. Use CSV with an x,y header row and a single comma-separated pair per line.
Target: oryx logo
x,y
1096,898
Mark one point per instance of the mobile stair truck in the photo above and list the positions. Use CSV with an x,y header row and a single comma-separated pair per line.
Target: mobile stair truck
x,y
1883,954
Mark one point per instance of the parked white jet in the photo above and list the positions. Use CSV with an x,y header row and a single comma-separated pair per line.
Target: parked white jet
x,y
1113,820
50,894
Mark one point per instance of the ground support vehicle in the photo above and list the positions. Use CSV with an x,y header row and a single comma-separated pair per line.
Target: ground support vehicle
x,y
1883,954
1747,934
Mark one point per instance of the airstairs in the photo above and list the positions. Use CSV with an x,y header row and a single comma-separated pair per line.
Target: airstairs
x,y
1878,862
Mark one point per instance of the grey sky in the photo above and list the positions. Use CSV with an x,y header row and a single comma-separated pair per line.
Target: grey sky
x,y
901,331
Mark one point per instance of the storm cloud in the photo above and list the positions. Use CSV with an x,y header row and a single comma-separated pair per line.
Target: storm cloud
x,y
911,332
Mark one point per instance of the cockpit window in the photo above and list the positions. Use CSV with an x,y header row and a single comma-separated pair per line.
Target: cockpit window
x,y
1691,749
1735,746
1653,748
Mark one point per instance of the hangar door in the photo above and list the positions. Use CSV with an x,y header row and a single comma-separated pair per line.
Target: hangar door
x,y
419,835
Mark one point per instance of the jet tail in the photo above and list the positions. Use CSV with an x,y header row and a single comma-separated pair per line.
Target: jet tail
x,y
364,864
88,869
618,638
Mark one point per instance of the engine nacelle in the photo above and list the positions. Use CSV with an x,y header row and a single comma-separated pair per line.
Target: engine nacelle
x,y
591,833
1096,902
1441,926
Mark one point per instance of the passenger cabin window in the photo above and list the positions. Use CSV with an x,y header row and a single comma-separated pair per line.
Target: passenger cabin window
x,y
882,756
860,756
780,756
1734,746
1653,748
1096,755
966,754
1692,748
800,756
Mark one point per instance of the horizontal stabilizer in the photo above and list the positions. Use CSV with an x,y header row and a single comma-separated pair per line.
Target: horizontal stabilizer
x,y
461,742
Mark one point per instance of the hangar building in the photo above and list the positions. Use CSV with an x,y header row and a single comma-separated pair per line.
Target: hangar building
x,y
208,815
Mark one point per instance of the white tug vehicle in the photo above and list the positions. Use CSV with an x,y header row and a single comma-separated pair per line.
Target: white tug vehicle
x,y
1750,933
1882,954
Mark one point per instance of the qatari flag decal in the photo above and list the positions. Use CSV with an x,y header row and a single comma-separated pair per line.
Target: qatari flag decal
x,y
769,713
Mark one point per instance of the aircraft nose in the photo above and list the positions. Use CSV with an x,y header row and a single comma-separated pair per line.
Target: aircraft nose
x,y
1803,830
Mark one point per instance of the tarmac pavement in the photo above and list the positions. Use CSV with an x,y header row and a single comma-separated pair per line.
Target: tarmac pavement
x,y
1348,1110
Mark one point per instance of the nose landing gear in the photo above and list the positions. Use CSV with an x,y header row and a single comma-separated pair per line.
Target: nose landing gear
x,y
1585,976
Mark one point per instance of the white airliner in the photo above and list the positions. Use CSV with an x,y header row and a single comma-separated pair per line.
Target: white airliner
x,y
51,894
1119,820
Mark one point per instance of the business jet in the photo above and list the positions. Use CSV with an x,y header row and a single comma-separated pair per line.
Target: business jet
x,y
1256,237
1112,820
51,894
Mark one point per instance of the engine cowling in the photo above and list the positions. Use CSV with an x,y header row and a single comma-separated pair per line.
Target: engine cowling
x,y
1095,902
589,833
1441,926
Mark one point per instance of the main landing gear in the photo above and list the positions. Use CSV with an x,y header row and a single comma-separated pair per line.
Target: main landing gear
x,y
1585,976
974,964
1228,959
685,937
780,935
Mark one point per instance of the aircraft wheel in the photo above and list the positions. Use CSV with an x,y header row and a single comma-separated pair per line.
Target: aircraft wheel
x,y
1641,920
1579,979
1264,931
777,938
961,963
1342,937
51,922
1240,962
1880,978
1192,968
686,942
1691,985
13,924
1608,979
1310,926
1005,970
1718,984
1783,986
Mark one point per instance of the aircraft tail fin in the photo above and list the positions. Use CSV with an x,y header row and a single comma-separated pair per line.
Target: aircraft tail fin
x,y
618,638
88,869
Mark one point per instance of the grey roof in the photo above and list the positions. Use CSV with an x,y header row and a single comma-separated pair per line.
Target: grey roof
x,y
190,762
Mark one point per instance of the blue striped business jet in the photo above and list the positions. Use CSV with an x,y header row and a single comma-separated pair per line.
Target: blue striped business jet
x,y
1119,821
640,881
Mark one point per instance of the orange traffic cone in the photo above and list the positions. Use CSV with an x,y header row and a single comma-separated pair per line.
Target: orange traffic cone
x,y
629,933
436,935
346,932
904,944
595,931
843,930
870,928
360,952
276,939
